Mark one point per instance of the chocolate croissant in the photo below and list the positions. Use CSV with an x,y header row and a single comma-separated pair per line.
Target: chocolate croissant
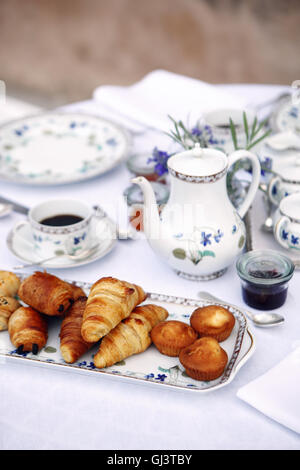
x,y
72,345
46,293
27,330
131,336
77,291
110,301
8,305
9,283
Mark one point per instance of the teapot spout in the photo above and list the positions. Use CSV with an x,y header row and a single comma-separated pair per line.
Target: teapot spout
x,y
151,215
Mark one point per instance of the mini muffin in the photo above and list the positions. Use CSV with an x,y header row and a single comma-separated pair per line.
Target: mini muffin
x,y
171,336
204,359
214,321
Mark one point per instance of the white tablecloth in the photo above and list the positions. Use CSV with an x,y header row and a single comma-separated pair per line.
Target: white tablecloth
x,y
46,409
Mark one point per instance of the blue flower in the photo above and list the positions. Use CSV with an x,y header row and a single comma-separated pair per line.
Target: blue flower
x,y
161,377
23,353
218,236
160,158
295,240
205,239
72,125
284,234
149,376
234,229
267,164
196,131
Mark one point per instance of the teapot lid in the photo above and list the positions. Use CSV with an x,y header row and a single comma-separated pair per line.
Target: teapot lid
x,y
198,164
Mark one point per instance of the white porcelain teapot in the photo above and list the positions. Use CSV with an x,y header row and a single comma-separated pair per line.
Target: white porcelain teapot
x,y
199,232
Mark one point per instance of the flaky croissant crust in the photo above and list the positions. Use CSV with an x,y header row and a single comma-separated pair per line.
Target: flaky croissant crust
x,y
9,283
72,345
7,306
110,301
131,336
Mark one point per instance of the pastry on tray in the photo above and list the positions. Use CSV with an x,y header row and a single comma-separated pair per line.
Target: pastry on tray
x,y
46,293
8,305
214,321
131,336
9,283
171,336
204,359
28,330
77,291
110,301
72,345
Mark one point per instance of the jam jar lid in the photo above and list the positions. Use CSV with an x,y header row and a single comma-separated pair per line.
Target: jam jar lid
x,y
139,164
265,267
134,194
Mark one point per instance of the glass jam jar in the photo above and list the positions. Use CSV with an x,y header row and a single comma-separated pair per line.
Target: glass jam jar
x,y
264,276
135,201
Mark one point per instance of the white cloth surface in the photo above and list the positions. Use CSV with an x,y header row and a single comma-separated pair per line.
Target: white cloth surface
x,y
276,393
162,93
49,409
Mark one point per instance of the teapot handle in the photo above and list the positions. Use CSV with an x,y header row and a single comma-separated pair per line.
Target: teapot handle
x,y
238,155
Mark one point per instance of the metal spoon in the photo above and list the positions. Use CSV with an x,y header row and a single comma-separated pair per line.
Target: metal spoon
x,y
263,320
76,257
267,226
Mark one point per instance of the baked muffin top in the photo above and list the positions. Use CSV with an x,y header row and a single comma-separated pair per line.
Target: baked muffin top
x,y
173,332
212,317
205,354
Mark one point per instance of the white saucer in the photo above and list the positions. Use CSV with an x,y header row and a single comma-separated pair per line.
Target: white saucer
x,y
21,245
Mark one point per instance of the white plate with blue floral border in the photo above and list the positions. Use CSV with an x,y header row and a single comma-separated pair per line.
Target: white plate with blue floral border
x,y
58,148
21,244
150,367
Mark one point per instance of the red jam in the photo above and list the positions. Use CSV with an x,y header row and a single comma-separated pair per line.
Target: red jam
x,y
264,275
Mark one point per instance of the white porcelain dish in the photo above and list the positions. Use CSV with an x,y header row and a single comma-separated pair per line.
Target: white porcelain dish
x,y
150,367
20,242
57,148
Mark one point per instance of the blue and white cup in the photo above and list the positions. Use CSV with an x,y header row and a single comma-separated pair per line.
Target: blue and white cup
x,y
53,240
287,222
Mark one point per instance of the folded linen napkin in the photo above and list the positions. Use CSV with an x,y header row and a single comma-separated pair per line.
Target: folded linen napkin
x,y
276,393
162,93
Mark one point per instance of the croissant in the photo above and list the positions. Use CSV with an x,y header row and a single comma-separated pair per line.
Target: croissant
x,y
130,337
110,301
46,293
27,330
72,345
9,283
7,306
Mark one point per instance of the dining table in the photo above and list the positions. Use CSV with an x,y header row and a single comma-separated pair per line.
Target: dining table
x,y
44,408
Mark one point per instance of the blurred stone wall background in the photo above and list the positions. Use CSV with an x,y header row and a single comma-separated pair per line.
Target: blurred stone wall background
x,y
60,50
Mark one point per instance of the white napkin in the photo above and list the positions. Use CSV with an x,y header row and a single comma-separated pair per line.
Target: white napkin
x,y
162,93
276,393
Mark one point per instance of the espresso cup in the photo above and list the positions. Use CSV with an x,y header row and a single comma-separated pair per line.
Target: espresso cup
x,y
71,232
287,222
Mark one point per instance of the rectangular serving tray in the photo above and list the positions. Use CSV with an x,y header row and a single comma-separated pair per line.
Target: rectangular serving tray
x,y
150,367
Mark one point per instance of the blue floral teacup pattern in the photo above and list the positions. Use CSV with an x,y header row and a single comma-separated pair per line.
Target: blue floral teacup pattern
x,y
53,241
